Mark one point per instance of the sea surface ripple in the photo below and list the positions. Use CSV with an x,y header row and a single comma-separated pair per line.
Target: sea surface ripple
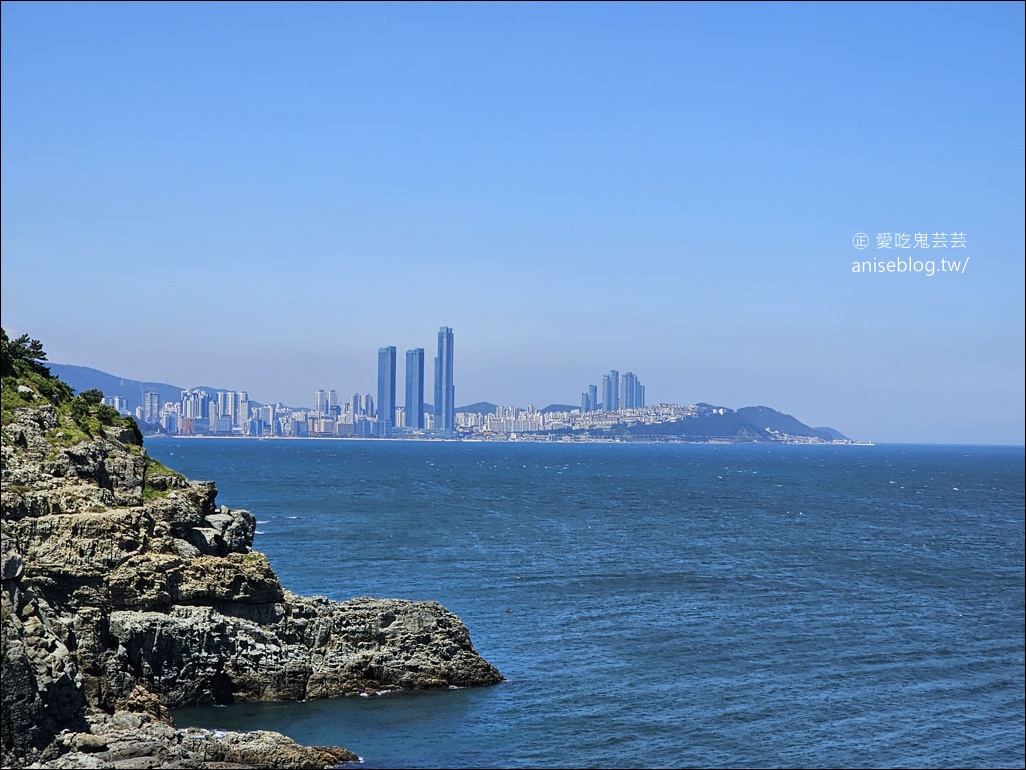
x,y
659,605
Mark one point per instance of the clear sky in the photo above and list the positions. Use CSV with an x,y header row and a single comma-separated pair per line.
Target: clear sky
x,y
260,195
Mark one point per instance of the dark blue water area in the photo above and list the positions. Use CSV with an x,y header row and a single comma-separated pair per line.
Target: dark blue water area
x,y
659,605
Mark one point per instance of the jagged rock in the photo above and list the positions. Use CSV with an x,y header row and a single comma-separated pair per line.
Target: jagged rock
x,y
118,605
11,562
142,701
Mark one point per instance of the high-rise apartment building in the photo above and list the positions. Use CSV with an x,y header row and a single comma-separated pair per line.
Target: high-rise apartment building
x,y
195,404
618,392
326,403
445,392
628,391
415,388
242,409
225,407
233,404
386,389
151,406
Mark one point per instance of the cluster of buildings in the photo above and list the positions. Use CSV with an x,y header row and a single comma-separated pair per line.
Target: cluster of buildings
x,y
230,413
510,422
618,393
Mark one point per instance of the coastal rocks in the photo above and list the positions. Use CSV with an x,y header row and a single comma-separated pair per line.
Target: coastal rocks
x,y
127,590
378,644
162,581
127,739
141,733
296,649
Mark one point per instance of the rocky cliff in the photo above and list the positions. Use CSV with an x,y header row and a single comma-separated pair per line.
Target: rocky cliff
x,y
127,590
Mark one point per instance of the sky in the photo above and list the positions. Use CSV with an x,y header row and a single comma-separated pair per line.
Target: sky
x,y
258,196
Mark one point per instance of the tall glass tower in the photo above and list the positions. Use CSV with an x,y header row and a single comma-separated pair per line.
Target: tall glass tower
x,y
415,388
628,391
386,389
445,393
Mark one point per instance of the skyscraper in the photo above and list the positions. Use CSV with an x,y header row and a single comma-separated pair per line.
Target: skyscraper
x,y
151,406
445,392
628,391
225,404
386,389
241,409
415,388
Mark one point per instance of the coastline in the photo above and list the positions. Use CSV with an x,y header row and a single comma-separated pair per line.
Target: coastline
x,y
518,440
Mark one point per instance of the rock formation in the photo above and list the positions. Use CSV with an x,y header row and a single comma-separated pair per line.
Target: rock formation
x,y
127,590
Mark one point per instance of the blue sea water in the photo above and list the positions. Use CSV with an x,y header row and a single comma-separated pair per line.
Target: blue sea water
x,y
659,605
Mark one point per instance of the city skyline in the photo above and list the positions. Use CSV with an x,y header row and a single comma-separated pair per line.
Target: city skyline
x,y
208,412
328,400
212,193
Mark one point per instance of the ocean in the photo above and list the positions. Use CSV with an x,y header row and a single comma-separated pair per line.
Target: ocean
x,y
659,605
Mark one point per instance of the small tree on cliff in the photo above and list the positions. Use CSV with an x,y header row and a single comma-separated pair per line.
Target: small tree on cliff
x,y
21,363
22,349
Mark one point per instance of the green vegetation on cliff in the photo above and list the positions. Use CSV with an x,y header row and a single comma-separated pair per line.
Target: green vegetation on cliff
x,y
25,378
27,381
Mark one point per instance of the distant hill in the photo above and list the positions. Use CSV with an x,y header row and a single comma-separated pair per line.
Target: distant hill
x,y
83,378
481,407
559,408
765,417
753,423
487,407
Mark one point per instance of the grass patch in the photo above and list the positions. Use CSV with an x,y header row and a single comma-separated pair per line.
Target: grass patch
x,y
158,479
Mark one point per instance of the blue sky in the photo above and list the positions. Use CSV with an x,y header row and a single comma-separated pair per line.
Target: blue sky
x,y
261,195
